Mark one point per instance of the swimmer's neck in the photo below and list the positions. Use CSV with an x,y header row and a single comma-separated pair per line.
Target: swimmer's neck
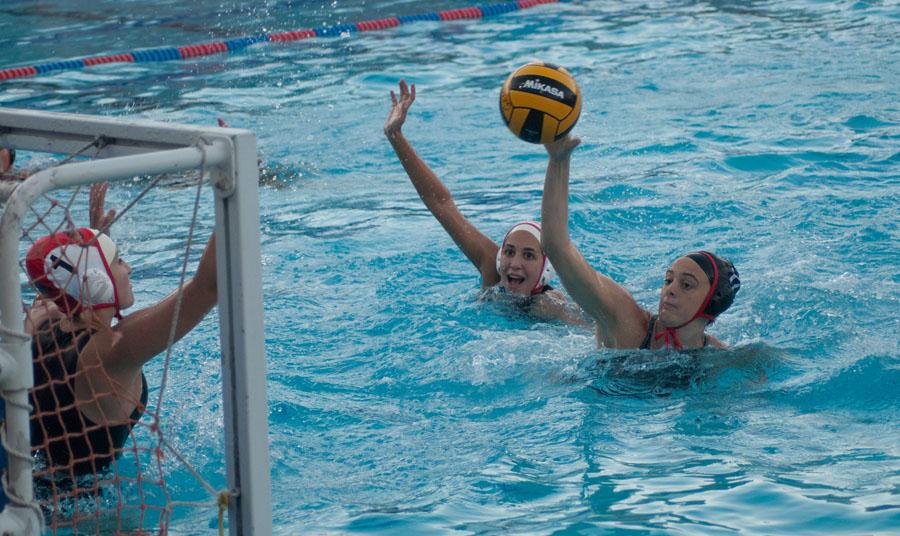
x,y
692,335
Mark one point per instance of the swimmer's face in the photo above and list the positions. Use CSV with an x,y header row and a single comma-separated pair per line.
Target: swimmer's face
x,y
521,262
121,274
684,288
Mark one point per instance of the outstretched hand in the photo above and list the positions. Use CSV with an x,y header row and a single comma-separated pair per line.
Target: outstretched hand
x,y
399,107
562,148
100,220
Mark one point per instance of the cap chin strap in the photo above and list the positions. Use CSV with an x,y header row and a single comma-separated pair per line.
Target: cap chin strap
x,y
671,334
108,251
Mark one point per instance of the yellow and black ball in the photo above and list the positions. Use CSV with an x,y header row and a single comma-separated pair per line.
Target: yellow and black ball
x,y
540,102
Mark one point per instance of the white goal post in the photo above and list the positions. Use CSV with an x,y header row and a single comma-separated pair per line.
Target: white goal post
x,y
131,148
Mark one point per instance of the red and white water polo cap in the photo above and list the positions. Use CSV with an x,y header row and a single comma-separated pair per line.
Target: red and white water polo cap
x,y
72,269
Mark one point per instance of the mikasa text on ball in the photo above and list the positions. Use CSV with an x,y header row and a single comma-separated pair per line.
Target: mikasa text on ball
x,y
540,102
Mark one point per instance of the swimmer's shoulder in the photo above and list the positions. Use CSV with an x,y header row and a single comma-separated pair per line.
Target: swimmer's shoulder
x,y
554,294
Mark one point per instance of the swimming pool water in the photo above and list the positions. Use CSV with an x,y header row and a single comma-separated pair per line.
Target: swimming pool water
x,y
765,131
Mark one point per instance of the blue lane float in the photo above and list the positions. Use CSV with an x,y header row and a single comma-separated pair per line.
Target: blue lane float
x,y
240,43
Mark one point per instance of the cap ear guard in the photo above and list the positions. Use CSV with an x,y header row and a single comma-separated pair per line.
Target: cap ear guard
x,y
547,275
83,277
728,287
97,288
73,269
734,279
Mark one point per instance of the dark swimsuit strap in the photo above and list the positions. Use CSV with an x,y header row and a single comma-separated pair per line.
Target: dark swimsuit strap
x,y
649,337
64,338
529,301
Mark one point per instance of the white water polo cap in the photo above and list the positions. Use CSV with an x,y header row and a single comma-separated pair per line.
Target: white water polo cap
x,y
73,269
534,229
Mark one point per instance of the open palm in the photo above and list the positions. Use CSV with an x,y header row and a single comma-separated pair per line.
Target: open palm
x,y
399,107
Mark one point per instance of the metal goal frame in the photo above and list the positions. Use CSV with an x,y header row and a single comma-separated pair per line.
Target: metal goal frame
x,y
130,148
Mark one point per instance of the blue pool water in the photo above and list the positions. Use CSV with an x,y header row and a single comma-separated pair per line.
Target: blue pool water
x,y
766,131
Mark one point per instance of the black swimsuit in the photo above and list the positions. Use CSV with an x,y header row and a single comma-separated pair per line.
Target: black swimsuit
x,y
62,434
648,339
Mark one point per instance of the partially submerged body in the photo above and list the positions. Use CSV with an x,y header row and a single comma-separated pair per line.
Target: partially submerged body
x,y
89,387
518,265
696,288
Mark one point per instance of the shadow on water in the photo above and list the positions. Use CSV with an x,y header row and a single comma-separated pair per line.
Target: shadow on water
x,y
644,373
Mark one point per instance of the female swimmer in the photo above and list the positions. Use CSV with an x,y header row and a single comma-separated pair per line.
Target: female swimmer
x,y
518,266
90,388
696,289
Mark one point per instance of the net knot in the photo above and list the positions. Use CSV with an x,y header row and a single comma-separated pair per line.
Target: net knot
x,y
222,499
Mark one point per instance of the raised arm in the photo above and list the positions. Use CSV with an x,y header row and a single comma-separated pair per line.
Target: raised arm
x,y
621,323
100,219
143,334
479,249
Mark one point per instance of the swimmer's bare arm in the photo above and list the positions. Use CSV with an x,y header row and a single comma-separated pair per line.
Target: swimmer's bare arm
x,y
479,249
621,323
144,334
